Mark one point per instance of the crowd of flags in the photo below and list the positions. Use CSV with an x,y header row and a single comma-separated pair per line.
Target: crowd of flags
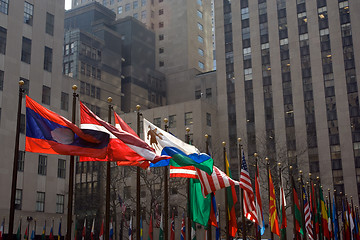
x,y
97,140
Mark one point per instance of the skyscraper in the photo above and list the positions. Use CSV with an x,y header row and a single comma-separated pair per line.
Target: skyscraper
x,y
287,74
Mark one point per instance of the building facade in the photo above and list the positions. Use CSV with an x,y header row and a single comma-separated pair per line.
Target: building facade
x,y
288,75
31,40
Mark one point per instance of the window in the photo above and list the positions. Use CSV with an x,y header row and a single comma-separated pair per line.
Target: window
x,y
40,201
143,2
21,159
172,121
188,118
28,13
200,26
198,94
161,63
208,119
200,39
3,34
18,199
161,50
120,10
161,37
199,2
26,50
200,14
135,4
208,93
4,6
60,203
127,7
46,95
201,65
143,14
61,168
42,165
136,15
161,24
161,11
1,80
201,52
161,1
48,59
49,29
157,122
22,123
64,101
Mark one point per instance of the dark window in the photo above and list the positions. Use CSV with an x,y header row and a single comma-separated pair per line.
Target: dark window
x,y
321,3
64,101
161,37
26,50
336,164
161,24
161,50
40,201
49,28
18,199
314,167
208,119
161,63
21,159
4,6
48,59
188,118
46,93
282,13
301,8
28,13
197,94
60,200
42,165
3,35
22,124
208,93
1,80
161,11
61,168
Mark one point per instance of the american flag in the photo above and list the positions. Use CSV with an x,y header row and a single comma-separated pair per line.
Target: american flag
x,y
307,214
183,236
248,201
172,234
216,181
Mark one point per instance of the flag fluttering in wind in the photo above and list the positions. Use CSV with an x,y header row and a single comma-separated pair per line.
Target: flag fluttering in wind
x,y
18,233
51,236
183,233
32,233
231,201
59,231
297,212
111,229
345,220
92,230
101,234
150,237
48,132
161,233
282,211
274,222
259,211
83,235
335,220
307,215
324,215
200,206
249,205
181,153
43,232
183,172
130,228
26,234
172,230
2,229
217,230
193,231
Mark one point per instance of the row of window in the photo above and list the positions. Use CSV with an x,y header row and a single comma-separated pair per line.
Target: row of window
x,y
90,90
40,201
88,70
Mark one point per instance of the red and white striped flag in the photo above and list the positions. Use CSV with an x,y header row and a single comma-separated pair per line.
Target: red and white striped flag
x,y
183,172
249,199
307,214
216,181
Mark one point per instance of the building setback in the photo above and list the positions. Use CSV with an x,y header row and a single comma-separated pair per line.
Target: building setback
x,y
287,75
31,40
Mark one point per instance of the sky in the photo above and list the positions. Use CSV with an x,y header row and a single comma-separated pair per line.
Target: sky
x,y
67,4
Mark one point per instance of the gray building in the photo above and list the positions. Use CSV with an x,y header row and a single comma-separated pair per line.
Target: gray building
x,y
31,40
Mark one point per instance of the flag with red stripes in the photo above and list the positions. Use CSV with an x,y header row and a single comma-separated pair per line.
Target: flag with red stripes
x,y
307,214
217,180
249,199
183,172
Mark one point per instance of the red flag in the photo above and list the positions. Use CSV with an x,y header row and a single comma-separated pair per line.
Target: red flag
x,y
92,230
151,228
274,222
101,234
83,235
172,233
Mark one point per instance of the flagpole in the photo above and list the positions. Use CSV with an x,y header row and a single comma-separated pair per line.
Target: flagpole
x,y
283,205
257,227
332,228
226,197
15,162
302,205
209,233
242,191
293,202
268,172
337,222
138,207
188,193
166,193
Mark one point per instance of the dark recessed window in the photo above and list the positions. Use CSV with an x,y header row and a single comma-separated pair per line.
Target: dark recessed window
x,y
161,37
46,93
48,59
26,50
3,35
4,6
28,13
49,24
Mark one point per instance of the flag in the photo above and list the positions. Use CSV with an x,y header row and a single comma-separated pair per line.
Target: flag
x,y
216,181
282,211
329,219
117,151
297,212
213,211
141,228
33,232
26,234
75,231
199,205
335,220
43,232
181,153
101,234
183,172
111,233
172,230
92,230
132,141
48,132
2,229
274,222
351,221
217,230
345,220
130,229
183,233
231,201
324,215
259,211
83,235
18,233
249,199
193,230
151,228
307,215
51,236
161,233
59,231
